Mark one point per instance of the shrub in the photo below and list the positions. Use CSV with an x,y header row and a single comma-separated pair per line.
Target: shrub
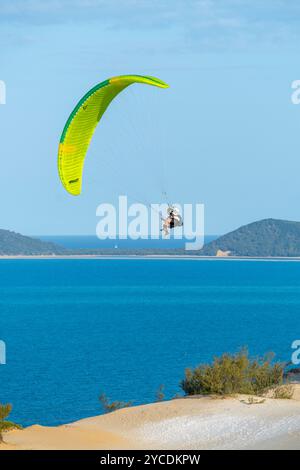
x,y
4,424
253,401
233,373
160,395
108,406
284,392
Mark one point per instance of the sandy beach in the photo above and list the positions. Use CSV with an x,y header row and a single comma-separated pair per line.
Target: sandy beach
x,y
186,423
167,257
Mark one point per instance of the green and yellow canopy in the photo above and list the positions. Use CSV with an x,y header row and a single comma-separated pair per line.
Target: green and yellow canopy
x,y
82,122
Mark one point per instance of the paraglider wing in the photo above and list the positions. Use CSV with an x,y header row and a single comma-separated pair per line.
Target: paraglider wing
x,y
83,120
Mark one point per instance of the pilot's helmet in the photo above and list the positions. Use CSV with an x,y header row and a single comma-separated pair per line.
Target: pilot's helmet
x,y
173,209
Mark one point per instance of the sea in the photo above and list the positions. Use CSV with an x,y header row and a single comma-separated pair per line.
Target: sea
x,y
92,242
74,328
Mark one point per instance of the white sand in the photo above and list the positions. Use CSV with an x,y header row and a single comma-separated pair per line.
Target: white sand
x,y
237,427
190,423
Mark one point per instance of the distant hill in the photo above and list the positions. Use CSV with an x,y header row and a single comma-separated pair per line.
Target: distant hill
x,y
268,237
12,243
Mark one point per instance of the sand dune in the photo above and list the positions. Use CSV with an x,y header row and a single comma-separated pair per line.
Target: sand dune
x,y
188,423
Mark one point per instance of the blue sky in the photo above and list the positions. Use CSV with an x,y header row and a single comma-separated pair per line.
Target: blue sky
x,y
225,133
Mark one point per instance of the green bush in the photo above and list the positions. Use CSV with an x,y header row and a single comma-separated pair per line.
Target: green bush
x,y
233,373
4,424
108,406
284,392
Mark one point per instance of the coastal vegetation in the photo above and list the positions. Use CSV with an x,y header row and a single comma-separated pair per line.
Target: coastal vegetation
x,y
160,394
285,391
13,244
109,406
5,410
234,373
264,238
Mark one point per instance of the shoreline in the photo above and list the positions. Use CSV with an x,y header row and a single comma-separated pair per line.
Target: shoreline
x,y
194,423
153,257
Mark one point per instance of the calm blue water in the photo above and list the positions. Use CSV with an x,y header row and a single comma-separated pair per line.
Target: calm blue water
x,y
74,328
93,242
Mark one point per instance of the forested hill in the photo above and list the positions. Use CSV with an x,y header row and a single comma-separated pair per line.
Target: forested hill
x,y
265,238
12,243
268,237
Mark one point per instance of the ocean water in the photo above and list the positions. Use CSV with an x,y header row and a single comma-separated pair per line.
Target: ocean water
x,y
76,328
93,242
